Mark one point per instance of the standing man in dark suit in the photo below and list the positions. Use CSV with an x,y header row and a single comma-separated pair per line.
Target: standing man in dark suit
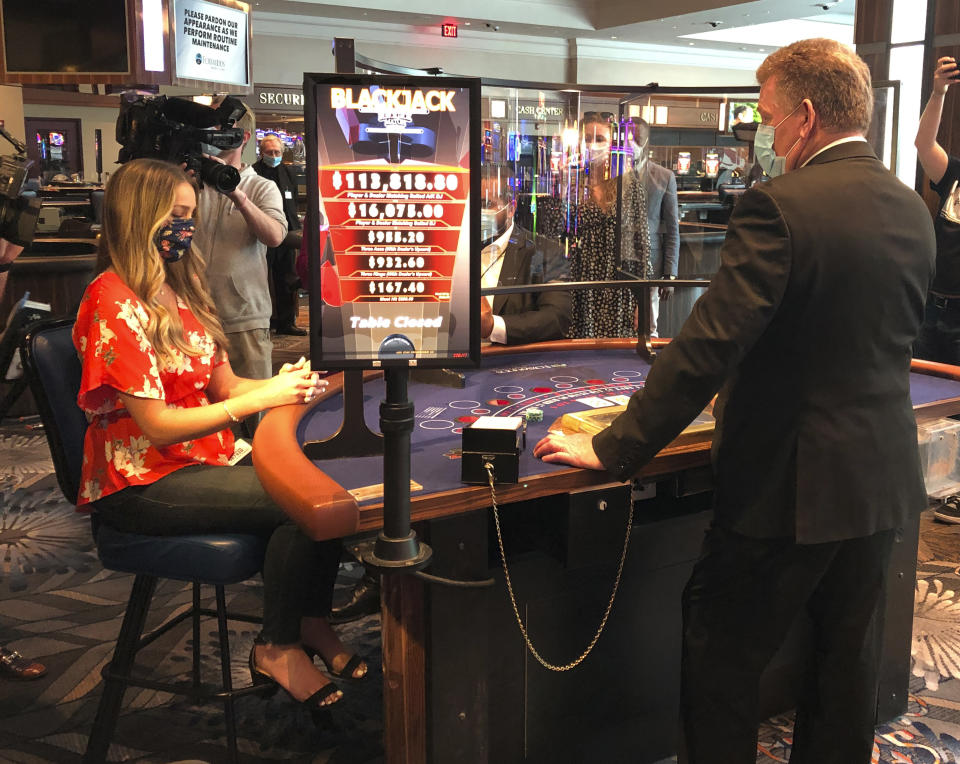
x,y
663,219
510,256
815,451
282,260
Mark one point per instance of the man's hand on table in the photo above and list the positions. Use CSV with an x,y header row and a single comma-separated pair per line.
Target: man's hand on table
x,y
575,450
486,318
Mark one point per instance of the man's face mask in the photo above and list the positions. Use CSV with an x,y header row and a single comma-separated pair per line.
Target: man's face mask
x,y
174,238
763,150
272,161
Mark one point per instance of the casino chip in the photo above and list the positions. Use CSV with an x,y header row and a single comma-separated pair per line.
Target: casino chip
x,y
533,415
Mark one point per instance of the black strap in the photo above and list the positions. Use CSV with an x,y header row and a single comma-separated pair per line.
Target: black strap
x,y
4,267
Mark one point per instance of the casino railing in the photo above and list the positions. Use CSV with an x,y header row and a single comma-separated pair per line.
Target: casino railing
x,y
639,287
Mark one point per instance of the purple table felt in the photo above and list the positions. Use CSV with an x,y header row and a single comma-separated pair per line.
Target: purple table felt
x,y
506,385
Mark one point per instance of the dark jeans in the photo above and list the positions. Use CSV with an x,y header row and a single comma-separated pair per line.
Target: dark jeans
x,y
282,262
298,574
741,600
939,338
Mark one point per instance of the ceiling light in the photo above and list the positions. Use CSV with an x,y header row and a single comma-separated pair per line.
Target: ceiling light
x,y
613,37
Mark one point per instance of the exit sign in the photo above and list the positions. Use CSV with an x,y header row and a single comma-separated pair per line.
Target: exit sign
x,y
448,30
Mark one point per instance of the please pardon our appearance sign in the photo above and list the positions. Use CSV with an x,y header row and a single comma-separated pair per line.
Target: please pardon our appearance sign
x,y
211,42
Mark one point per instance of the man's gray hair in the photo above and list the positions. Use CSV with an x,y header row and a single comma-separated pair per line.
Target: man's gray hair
x,y
835,79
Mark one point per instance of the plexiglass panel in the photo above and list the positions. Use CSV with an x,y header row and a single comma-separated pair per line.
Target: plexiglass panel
x,y
620,184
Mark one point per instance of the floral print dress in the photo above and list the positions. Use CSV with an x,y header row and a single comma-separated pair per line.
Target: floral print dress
x,y
110,337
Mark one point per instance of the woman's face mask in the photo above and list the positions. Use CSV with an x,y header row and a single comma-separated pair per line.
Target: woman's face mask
x,y
596,151
174,238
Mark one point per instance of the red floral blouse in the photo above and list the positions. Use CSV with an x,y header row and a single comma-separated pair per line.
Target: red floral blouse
x,y
117,357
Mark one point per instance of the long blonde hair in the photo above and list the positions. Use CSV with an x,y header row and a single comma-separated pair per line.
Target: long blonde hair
x,y
139,198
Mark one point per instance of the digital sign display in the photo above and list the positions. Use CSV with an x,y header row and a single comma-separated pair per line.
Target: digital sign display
x,y
392,181
712,164
210,41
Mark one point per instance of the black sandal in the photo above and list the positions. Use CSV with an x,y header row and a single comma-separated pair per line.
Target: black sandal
x,y
271,685
260,678
347,672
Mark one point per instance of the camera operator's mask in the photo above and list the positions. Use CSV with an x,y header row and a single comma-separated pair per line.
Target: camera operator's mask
x,y
174,238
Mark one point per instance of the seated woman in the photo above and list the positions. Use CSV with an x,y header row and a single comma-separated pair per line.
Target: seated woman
x,y
160,396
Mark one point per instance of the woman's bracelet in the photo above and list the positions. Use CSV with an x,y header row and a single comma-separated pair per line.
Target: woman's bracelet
x,y
229,413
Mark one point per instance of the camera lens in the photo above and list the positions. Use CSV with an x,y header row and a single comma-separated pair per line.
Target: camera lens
x,y
223,177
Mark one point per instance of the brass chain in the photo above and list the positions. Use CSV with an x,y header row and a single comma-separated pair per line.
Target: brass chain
x,y
513,599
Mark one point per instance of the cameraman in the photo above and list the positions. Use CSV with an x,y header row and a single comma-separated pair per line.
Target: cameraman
x,y
237,229
282,260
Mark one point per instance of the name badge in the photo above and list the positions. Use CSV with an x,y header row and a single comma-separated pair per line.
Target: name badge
x,y
288,194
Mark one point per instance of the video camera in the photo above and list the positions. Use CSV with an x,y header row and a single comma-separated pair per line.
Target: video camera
x,y
18,214
176,129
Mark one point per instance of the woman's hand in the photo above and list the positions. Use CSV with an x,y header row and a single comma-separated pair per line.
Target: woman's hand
x,y
297,385
319,385
945,75
303,363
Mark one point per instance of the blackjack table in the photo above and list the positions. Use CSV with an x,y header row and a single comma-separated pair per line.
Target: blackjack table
x,y
460,683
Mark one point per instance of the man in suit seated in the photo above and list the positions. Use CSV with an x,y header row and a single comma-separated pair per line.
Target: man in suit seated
x,y
511,256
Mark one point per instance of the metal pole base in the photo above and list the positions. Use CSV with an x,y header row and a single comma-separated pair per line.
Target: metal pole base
x,y
395,555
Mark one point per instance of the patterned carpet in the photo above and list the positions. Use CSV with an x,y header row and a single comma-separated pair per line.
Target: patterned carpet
x,y
58,605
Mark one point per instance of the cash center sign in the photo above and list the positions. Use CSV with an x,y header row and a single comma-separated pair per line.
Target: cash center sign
x,y
211,42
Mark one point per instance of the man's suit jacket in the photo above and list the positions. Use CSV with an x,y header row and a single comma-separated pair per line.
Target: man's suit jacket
x,y
530,317
283,177
662,219
808,326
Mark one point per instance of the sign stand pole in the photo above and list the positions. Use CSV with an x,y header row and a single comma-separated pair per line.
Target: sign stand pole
x,y
397,548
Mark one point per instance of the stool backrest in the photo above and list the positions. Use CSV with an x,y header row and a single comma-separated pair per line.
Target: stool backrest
x,y
53,369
